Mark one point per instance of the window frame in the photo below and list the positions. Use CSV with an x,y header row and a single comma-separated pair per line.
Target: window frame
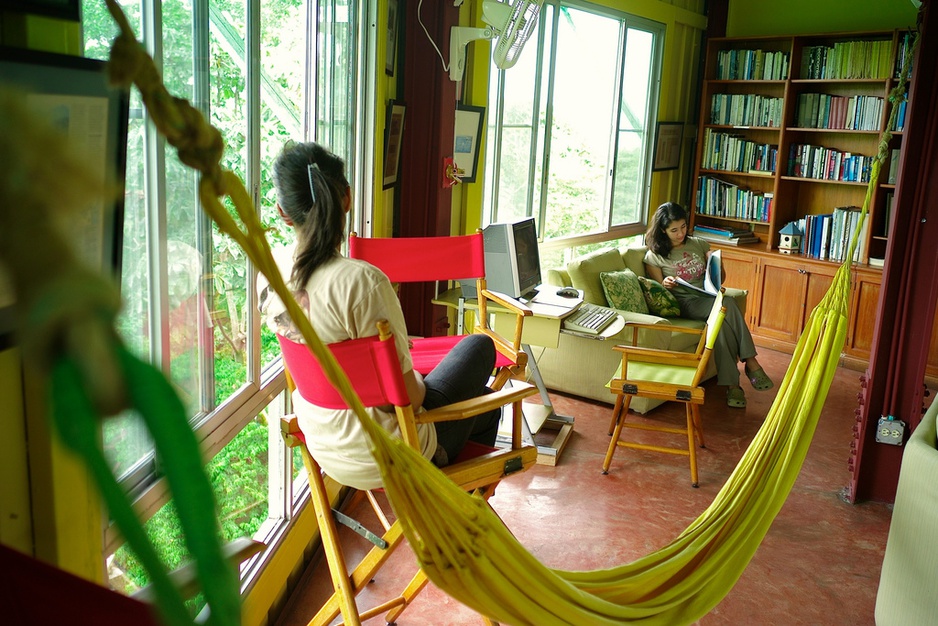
x,y
545,64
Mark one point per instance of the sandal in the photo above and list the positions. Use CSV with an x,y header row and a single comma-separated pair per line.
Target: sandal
x,y
736,398
759,379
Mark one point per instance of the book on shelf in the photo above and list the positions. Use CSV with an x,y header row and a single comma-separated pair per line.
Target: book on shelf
x,y
893,167
713,278
744,238
877,262
887,218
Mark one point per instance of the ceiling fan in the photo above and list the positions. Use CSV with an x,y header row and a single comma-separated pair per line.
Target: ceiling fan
x,y
509,23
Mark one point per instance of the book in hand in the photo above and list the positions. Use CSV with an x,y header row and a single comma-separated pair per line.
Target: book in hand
x,y
713,277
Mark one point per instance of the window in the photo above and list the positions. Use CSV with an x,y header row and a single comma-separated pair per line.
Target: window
x,y
263,72
568,127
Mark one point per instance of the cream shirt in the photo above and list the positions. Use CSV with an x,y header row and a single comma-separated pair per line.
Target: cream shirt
x,y
343,299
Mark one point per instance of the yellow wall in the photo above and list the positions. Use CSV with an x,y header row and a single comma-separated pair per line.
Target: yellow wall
x,y
798,17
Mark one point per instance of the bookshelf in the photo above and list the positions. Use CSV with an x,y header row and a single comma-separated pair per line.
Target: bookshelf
x,y
788,129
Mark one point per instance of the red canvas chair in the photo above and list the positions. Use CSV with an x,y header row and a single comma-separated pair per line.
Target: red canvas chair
x,y
426,259
374,370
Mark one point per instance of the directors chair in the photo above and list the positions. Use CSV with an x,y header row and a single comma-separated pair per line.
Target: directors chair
x,y
429,259
664,375
373,368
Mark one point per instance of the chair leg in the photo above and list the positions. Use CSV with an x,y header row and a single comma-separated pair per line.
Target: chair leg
x,y
344,593
691,442
615,414
415,586
620,412
698,427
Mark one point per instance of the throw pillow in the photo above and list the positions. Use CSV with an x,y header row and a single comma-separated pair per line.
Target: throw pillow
x,y
623,291
584,273
660,301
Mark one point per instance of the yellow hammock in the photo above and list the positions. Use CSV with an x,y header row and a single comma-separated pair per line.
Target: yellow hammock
x,y
460,543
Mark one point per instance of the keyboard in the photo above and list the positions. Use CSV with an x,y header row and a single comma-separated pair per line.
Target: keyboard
x,y
590,319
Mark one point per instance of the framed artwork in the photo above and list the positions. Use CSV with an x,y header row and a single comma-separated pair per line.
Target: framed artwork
x,y
74,95
668,146
393,136
390,49
469,128
62,9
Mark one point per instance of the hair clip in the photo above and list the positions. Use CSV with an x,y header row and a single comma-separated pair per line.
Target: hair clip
x,y
309,173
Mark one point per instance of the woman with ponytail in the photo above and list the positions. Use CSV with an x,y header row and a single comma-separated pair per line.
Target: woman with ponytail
x,y
344,298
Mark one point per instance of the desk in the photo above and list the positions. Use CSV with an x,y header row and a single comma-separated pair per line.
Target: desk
x,y
543,328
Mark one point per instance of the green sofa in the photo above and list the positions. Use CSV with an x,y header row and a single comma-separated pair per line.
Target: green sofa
x,y
582,366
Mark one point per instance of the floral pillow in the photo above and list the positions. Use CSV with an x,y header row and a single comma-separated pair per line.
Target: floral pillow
x,y
623,291
660,301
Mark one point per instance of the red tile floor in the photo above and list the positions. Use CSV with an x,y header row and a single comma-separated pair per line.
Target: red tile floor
x,y
818,564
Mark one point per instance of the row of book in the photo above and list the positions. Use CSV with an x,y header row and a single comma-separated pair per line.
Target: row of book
x,y
900,115
725,236
848,60
905,44
719,198
818,162
752,65
828,236
733,153
821,110
746,110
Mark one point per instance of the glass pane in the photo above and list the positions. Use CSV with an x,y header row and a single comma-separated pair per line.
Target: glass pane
x,y
283,50
239,480
228,262
126,442
630,168
583,107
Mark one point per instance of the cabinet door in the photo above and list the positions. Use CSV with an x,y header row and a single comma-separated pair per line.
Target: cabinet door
x,y
863,306
779,310
741,271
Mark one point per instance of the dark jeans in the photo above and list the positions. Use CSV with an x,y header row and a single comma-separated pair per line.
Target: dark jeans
x,y
462,375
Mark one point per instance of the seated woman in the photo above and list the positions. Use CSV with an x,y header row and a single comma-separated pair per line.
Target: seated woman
x,y
672,254
344,299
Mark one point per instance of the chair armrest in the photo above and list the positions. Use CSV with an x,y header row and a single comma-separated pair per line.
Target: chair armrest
x,y
651,355
476,406
635,326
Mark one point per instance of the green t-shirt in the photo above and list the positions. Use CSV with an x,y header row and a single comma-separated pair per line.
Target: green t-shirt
x,y
688,262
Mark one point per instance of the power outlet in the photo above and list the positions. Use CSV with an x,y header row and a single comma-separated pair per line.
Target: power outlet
x,y
890,430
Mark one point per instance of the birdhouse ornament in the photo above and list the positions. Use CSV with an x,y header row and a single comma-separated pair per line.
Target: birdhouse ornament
x,y
789,239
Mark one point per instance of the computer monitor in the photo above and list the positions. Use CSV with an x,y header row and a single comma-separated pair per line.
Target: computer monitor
x,y
512,263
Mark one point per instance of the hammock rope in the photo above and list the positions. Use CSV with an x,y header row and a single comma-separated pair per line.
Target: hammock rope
x,y
459,541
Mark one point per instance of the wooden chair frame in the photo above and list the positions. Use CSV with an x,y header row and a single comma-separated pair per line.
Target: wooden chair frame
x,y
430,259
691,395
481,472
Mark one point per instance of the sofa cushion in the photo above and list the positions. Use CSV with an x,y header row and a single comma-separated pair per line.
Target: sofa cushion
x,y
660,301
623,291
634,259
585,270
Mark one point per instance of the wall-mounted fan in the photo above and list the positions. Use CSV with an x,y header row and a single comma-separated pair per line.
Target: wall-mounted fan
x,y
509,23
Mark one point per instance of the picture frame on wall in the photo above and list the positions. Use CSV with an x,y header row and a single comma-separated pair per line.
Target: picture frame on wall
x,y
74,94
391,43
668,138
393,137
62,9
470,121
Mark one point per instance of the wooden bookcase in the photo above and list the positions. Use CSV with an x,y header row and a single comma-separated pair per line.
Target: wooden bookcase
x,y
762,98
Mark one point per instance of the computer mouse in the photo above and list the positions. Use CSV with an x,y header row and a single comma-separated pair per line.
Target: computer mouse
x,y
568,292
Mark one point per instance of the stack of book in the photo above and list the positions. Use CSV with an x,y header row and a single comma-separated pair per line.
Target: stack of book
x,y
726,236
828,236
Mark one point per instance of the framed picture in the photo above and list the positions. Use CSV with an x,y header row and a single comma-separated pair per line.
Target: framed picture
x,y
390,49
62,9
469,128
668,146
393,136
74,95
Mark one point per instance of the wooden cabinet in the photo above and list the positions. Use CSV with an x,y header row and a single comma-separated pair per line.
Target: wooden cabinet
x,y
786,293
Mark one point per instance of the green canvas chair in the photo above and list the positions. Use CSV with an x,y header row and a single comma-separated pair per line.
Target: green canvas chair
x,y
664,375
